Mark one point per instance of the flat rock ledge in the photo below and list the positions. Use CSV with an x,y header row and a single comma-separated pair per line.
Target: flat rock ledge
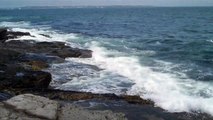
x,y
32,107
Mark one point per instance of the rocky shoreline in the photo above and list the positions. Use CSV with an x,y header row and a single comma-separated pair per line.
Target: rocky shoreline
x,y
22,75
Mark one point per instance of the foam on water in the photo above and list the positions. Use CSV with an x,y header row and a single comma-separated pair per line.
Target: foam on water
x,y
167,90
38,32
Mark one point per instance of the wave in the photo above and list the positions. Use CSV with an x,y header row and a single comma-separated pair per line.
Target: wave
x,y
169,91
39,32
211,41
122,74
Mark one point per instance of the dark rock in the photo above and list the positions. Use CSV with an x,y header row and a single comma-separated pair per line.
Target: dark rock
x,y
135,99
45,35
41,57
37,65
70,52
7,55
14,34
18,77
58,45
5,96
3,34
47,48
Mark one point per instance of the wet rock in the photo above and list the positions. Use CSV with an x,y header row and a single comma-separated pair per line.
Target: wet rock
x,y
135,100
41,57
37,65
20,78
4,96
3,34
7,55
71,52
51,45
45,35
16,34
47,48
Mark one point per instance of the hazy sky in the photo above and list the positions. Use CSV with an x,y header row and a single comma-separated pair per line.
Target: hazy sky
x,y
20,3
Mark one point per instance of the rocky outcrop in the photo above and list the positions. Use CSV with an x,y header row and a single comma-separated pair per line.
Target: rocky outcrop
x,y
33,107
5,34
16,76
48,48
21,62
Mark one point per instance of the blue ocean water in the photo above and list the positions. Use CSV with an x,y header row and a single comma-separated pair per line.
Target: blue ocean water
x,y
162,54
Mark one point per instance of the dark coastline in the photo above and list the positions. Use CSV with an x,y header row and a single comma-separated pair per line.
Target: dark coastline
x,y
21,65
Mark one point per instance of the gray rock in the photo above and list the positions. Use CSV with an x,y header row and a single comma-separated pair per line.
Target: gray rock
x,y
31,107
73,112
34,105
9,114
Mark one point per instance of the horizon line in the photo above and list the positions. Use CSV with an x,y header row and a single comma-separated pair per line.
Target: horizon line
x,y
96,6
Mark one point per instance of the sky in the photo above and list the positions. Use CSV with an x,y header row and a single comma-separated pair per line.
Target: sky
x,y
21,3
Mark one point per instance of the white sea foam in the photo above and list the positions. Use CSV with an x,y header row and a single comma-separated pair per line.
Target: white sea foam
x,y
167,90
38,32
210,41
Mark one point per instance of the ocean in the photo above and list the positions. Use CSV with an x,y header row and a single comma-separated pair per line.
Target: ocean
x,y
164,54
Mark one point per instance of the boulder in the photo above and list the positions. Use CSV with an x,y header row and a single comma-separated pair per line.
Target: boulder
x,y
37,106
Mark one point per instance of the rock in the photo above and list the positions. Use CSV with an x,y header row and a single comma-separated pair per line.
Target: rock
x,y
47,48
73,112
37,65
10,114
71,52
7,55
19,78
3,34
75,96
37,106
51,45
40,57
136,100
45,35
4,96
16,34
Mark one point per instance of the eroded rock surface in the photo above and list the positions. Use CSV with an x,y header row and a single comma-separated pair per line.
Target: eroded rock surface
x,y
28,106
